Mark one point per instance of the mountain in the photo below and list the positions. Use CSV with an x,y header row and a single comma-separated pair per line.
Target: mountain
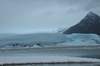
x,y
89,24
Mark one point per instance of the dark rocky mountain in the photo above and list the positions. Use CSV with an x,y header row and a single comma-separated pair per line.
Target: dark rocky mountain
x,y
89,24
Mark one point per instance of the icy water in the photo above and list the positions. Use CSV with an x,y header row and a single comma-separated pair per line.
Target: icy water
x,y
83,64
61,51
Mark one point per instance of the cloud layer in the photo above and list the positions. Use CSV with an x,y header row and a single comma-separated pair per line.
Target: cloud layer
x,y
26,16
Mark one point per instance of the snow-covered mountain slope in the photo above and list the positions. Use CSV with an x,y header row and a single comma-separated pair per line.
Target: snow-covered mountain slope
x,y
32,39
61,30
89,24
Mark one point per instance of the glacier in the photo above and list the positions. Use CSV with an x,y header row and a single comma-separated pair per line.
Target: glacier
x,y
81,39
29,40
48,39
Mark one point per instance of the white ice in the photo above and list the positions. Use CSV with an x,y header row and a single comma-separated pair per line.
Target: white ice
x,y
43,59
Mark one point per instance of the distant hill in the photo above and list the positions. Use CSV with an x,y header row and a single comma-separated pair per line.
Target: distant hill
x,y
89,24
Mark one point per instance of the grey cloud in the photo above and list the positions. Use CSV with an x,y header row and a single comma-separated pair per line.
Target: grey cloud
x,y
92,4
42,15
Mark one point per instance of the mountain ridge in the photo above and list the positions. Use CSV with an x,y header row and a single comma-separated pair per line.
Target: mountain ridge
x,y
89,24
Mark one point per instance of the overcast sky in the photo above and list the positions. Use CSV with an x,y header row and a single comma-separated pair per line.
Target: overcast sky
x,y
27,16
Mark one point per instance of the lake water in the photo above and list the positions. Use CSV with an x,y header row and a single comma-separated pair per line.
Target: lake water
x,y
59,51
